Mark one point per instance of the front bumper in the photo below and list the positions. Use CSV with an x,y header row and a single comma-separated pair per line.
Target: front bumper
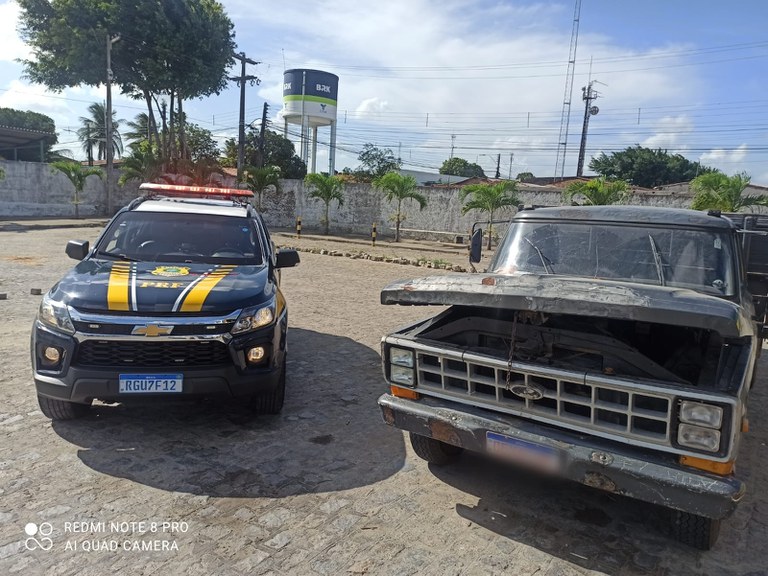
x,y
83,384
637,473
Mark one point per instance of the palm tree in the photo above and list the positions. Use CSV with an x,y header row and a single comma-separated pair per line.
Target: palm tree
x,y
93,132
489,198
327,189
598,192
259,180
138,129
716,191
398,187
76,174
141,164
88,135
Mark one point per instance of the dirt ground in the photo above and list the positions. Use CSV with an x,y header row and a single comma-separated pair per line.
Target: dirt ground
x,y
323,488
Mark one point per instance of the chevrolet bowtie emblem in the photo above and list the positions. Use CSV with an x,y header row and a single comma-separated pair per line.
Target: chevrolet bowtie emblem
x,y
151,330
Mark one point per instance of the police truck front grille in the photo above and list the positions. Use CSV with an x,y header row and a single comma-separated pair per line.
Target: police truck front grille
x,y
589,402
152,353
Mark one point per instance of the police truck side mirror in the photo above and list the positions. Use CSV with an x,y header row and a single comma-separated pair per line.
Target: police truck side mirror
x,y
77,249
287,258
476,246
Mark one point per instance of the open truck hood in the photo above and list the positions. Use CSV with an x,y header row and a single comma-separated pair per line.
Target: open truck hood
x,y
578,296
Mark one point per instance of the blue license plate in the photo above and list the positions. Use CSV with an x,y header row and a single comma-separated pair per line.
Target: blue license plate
x,y
529,454
151,383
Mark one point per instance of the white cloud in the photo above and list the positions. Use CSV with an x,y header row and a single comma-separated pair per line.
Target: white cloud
x,y
670,135
732,161
13,46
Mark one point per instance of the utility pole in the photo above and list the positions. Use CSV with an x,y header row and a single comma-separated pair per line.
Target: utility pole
x,y
511,157
108,123
588,95
453,141
498,166
261,134
241,80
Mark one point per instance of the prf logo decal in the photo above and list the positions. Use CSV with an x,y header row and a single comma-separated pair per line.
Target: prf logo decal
x,y
38,536
170,271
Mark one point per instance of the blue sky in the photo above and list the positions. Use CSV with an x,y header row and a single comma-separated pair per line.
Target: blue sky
x,y
423,77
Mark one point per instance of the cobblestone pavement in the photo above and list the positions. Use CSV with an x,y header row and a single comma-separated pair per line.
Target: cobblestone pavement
x,y
324,488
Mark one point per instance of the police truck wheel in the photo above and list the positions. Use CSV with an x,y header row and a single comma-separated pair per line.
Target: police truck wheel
x,y
696,531
434,451
61,409
271,402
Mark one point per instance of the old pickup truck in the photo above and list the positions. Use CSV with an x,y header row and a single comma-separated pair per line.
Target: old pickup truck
x,y
611,345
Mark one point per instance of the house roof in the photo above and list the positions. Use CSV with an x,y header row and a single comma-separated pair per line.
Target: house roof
x,y
14,138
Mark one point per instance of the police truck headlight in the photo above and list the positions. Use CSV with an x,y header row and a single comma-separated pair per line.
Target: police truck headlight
x,y
698,437
253,318
701,414
55,315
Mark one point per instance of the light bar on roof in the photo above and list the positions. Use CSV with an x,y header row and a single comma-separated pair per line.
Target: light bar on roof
x,y
195,191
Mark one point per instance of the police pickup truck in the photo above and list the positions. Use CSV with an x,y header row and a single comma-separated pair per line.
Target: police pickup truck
x,y
178,297
611,345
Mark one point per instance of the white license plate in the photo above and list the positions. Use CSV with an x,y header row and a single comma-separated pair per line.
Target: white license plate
x,y
151,383
535,456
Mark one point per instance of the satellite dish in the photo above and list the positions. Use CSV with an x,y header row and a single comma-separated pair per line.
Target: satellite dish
x,y
594,110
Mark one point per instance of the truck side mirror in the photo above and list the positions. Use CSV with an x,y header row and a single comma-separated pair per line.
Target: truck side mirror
x,y
476,246
77,249
287,258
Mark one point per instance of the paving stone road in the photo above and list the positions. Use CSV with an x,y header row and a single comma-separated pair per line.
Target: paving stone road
x,y
325,488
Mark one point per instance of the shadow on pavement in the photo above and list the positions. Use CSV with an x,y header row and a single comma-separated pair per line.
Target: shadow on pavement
x,y
329,436
614,534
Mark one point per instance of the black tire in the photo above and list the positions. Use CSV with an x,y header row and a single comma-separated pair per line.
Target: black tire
x,y
61,409
434,451
271,402
693,530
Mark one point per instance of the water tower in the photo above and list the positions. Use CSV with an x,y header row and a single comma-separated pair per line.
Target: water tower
x,y
309,100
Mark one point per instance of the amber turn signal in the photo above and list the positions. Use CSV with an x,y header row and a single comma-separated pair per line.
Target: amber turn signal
x,y
404,393
722,468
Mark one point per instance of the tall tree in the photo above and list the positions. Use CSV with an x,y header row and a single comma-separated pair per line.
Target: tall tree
x,y
597,192
76,174
327,189
179,49
398,188
278,151
259,180
376,162
647,167
93,132
716,191
489,198
460,167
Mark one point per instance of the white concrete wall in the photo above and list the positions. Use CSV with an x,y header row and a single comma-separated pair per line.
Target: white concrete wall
x,y
33,190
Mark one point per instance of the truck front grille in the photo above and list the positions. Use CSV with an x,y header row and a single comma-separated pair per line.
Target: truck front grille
x,y
575,400
154,353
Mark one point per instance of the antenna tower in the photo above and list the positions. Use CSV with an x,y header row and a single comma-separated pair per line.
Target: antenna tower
x,y
562,140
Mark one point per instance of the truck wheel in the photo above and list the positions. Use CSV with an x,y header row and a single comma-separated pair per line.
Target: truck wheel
x,y
696,531
271,402
434,451
61,409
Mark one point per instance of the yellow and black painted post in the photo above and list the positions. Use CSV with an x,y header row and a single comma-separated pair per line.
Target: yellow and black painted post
x,y
298,226
373,235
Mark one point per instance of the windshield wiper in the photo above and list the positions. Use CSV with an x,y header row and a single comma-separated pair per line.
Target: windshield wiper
x,y
116,256
546,262
657,260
